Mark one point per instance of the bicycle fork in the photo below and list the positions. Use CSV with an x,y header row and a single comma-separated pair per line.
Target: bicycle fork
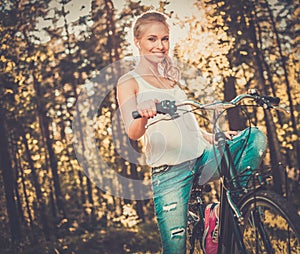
x,y
230,217
230,222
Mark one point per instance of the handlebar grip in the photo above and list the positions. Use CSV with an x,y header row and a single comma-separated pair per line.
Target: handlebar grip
x,y
136,114
163,107
273,100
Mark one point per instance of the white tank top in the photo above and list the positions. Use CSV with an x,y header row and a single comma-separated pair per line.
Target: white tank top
x,y
169,141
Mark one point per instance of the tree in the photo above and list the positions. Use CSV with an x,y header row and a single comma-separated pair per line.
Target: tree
x,y
249,24
8,179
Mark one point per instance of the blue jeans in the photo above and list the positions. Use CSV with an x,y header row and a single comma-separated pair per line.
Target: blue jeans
x,y
172,184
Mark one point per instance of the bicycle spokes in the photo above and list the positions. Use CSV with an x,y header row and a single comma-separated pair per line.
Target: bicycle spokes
x,y
267,231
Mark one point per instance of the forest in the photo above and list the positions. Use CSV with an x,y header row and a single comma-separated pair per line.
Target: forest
x,y
70,179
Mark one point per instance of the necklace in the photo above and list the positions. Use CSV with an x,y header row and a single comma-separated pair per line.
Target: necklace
x,y
157,76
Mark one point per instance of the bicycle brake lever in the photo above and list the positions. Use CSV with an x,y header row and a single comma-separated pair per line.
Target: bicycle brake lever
x,y
282,109
164,107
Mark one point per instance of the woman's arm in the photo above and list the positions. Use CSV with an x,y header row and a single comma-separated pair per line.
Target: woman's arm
x,y
207,136
126,93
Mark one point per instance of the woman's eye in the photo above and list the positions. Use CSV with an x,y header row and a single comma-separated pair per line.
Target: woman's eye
x,y
166,39
151,39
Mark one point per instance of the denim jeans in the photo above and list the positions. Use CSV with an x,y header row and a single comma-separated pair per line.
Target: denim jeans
x,y
172,184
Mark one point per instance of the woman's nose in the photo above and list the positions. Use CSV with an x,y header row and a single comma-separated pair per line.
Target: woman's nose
x,y
159,44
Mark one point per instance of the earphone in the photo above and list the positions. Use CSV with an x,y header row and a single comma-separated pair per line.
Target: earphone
x,y
138,45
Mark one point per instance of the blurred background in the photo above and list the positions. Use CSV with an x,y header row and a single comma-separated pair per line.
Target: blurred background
x,y
49,52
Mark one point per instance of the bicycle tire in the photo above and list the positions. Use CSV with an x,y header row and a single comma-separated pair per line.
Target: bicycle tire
x,y
271,224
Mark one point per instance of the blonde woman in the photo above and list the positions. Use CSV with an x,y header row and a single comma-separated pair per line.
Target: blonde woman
x,y
175,149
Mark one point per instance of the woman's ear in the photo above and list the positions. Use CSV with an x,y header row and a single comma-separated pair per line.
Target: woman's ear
x,y
137,43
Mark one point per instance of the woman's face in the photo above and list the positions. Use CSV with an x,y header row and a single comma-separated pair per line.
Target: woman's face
x,y
153,43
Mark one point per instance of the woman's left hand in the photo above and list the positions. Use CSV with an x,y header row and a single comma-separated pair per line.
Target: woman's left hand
x,y
230,134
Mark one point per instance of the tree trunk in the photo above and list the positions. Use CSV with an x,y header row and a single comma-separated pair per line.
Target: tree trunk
x,y
40,200
113,57
269,78
8,180
74,88
287,83
18,169
274,146
236,122
26,198
53,165
44,126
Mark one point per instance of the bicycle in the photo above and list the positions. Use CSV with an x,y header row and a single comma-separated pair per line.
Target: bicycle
x,y
252,218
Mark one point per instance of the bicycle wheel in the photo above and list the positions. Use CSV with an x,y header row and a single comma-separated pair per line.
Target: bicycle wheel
x,y
271,225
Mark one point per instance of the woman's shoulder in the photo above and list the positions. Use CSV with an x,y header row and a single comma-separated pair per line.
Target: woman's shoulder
x,y
127,81
126,78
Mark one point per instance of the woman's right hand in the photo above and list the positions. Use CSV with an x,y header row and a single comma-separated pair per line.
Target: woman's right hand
x,y
147,108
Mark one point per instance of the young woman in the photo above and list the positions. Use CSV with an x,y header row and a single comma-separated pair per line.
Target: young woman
x,y
178,148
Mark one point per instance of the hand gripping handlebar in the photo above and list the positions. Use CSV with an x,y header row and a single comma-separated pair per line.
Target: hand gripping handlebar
x,y
170,107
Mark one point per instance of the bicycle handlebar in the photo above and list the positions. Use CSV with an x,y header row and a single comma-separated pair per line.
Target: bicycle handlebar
x,y
170,107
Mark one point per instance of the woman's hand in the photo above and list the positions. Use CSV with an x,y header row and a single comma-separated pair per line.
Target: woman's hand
x,y
211,138
230,134
147,108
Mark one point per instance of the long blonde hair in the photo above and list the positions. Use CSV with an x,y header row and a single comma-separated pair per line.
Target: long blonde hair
x,y
169,70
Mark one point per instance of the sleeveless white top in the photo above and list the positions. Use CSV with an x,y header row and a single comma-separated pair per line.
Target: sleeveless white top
x,y
173,141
